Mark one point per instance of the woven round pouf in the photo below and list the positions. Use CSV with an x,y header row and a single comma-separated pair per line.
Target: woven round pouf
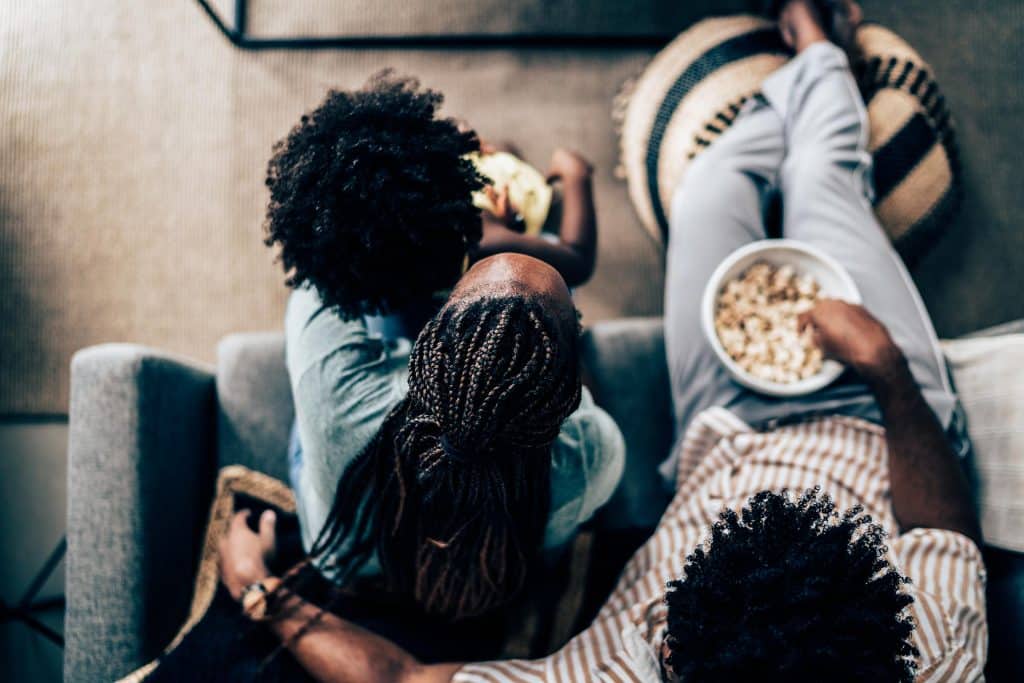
x,y
692,91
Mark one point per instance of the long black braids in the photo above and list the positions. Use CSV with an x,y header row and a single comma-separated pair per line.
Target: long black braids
x,y
453,494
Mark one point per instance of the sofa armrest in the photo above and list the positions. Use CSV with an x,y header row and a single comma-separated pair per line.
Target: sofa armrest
x,y
141,470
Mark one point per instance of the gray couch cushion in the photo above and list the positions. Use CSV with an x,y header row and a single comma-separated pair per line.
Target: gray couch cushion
x,y
625,361
255,403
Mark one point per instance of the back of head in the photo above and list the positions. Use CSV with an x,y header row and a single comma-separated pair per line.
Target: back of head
x,y
371,198
458,479
790,591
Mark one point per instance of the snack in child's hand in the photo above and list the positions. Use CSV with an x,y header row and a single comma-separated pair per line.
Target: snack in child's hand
x,y
529,193
756,319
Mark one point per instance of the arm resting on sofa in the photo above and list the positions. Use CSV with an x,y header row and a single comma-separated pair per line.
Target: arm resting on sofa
x,y
141,469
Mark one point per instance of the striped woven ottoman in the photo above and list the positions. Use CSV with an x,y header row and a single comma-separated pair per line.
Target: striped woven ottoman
x,y
692,91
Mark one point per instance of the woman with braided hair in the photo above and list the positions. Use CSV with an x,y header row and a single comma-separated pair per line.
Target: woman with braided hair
x,y
460,471
447,477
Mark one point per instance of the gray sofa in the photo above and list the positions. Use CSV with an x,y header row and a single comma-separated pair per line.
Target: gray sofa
x,y
148,432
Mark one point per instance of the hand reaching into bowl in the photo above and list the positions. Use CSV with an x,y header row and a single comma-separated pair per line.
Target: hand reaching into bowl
x,y
849,334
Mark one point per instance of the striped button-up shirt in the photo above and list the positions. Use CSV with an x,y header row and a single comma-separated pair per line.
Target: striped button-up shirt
x,y
723,463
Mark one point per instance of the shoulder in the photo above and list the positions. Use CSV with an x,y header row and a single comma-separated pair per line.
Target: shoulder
x,y
591,441
343,381
948,579
587,461
591,436
336,361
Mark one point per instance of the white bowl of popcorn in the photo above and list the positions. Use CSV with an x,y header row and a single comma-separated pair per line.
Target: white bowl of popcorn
x,y
750,309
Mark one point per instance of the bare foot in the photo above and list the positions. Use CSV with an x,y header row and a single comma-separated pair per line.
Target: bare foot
x,y
805,22
801,24
845,21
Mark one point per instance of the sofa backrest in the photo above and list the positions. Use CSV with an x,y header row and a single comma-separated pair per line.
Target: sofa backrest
x,y
625,362
254,401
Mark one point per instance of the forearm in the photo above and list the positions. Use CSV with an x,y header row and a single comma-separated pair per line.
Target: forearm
x,y
578,230
928,485
332,650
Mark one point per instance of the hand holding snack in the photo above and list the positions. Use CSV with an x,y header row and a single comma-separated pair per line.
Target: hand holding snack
x,y
523,193
501,209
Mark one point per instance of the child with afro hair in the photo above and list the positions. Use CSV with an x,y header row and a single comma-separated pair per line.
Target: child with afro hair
x,y
372,204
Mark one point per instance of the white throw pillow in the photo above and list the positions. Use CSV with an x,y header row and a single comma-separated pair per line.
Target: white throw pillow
x,y
989,376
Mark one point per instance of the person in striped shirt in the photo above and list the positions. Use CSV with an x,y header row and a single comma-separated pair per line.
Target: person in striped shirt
x,y
874,571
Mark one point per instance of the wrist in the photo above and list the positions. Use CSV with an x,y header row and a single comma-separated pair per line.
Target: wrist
x,y
580,176
239,573
256,598
250,571
888,374
885,365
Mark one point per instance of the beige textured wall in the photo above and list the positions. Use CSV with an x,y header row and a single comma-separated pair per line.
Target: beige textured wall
x,y
129,193
403,17
133,141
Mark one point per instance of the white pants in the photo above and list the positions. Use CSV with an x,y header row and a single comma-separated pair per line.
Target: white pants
x,y
806,140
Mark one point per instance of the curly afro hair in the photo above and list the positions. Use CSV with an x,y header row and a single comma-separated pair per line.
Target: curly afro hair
x,y
790,591
371,198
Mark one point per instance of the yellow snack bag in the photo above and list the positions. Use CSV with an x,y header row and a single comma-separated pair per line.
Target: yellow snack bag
x,y
528,191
